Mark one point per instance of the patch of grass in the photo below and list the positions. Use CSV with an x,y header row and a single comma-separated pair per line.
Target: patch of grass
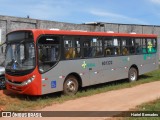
x,y
36,102
151,106
28,104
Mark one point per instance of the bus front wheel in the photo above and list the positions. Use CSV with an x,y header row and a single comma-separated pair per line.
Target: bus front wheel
x,y
70,86
132,74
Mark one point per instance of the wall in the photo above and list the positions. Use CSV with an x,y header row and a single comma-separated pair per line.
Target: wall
x,y
8,24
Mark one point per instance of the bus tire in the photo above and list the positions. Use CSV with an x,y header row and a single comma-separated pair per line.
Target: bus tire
x,y
70,86
132,74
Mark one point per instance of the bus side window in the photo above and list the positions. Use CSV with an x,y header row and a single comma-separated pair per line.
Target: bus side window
x,y
92,47
144,46
117,51
107,51
125,51
140,46
99,51
108,43
112,46
92,52
151,45
72,47
70,53
124,44
131,46
87,49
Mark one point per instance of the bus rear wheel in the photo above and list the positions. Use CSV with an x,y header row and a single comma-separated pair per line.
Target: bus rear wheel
x,y
70,86
132,74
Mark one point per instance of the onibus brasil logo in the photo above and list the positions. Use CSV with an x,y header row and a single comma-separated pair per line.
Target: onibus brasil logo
x,y
88,65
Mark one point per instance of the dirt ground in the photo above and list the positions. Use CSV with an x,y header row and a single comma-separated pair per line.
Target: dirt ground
x,y
116,100
4,96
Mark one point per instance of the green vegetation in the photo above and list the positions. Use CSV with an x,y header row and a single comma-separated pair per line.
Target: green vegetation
x,y
152,106
23,102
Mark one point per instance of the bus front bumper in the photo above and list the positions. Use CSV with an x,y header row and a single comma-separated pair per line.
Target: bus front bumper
x,y
22,88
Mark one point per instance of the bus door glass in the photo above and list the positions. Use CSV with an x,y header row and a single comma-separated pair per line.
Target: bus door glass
x,y
48,52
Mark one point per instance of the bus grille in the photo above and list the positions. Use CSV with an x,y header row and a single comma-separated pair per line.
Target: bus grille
x,y
18,89
15,82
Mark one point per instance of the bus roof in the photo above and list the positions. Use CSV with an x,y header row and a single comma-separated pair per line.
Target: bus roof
x,y
87,33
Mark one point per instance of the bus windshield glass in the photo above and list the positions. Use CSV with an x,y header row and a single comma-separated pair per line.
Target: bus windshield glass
x,y
20,52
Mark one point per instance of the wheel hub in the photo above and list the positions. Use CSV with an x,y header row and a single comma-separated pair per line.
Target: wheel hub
x,y
133,76
71,86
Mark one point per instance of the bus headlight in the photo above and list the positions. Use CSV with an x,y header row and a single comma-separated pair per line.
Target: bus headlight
x,y
28,81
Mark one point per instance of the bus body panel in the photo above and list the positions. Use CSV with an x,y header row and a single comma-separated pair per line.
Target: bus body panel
x,y
97,70
149,63
57,75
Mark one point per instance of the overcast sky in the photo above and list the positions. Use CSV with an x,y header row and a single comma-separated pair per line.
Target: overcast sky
x,y
81,11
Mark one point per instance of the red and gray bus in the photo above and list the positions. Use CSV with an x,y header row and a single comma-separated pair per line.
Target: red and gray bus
x,y
46,61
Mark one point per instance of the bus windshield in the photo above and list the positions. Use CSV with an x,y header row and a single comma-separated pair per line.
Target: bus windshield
x,y
20,56
20,52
